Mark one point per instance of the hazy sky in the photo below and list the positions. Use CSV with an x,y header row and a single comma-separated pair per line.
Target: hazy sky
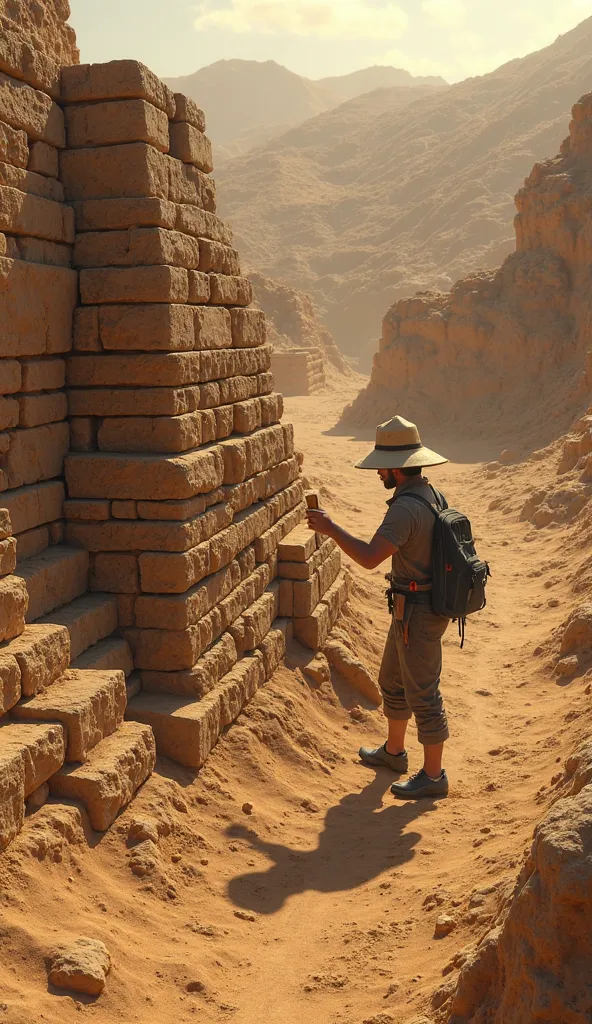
x,y
453,38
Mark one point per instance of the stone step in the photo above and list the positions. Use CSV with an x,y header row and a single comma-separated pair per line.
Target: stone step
x,y
186,730
114,770
89,618
114,652
54,578
29,755
89,704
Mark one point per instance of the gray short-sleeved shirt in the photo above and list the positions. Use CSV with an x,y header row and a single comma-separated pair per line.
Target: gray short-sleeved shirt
x,y
409,526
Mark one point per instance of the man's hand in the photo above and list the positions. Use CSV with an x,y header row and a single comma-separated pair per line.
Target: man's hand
x,y
319,521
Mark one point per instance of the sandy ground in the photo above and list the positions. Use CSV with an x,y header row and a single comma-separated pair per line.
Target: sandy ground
x,y
322,902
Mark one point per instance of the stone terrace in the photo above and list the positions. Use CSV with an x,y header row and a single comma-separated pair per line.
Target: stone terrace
x,y
152,558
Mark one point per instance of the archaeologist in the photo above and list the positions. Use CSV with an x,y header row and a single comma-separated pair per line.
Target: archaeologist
x,y
412,661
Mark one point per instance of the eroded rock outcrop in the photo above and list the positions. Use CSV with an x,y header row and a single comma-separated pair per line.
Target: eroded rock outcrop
x,y
475,356
535,963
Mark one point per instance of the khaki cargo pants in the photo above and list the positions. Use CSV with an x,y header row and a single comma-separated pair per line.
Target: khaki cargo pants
x,y
410,676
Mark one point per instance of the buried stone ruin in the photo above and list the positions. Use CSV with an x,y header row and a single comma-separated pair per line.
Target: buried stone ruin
x,y
152,556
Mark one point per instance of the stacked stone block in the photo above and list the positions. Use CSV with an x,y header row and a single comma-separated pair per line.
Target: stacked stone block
x,y
183,480
299,371
312,586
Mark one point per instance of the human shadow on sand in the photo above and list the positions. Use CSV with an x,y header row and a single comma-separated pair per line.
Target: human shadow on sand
x,y
360,840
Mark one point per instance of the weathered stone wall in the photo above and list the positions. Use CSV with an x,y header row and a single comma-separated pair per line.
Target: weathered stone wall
x,y
298,371
144,469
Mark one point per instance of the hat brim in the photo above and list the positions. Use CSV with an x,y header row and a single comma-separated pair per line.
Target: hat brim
x,y
401,460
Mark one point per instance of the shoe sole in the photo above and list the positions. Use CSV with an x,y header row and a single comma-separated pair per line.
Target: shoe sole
x,y
383,764
418,796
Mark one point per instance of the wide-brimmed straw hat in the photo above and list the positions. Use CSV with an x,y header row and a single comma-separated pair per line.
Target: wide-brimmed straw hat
x,y
398,445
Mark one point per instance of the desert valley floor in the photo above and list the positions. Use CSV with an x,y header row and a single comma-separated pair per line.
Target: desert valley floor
x,y
320,899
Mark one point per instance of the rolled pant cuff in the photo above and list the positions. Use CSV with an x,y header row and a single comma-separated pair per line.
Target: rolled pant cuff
x,y
397,716
433,738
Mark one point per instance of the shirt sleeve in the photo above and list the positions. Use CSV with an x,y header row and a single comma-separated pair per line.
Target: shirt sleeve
x,y
398,524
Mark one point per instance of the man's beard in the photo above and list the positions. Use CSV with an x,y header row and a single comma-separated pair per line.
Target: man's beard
x,y
390,481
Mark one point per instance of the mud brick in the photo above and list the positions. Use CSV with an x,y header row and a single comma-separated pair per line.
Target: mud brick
x,y
174,573
132,171
56,532
187,110
159,326
32,543
125,611
136,247
304,570
121,214
167,650
288,429
218,258
249,328
272,409
211,328
22,60
89,704
29,507
43,159
224,416
187,184
199,287
83,434
191,146
10,376
36,753
145,535
115,574
298,546
43,654
151,433
36,306
307,594
178,611
187,732
143,477
247,416
48,407
201,678
117,122
164,401
265,383
243,457
34,112
268,542
169,369
89,511
36,250
118,79
134,284
230,291
286,597
328,571
85,329
5,524
43,374
35,454
202,224
172,509
224,363
10,682
22,214
14,601
124,509
258,618
32,183
7,555
14,147
9,413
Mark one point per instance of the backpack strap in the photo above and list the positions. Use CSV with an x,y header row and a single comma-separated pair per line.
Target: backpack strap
x,y
440,500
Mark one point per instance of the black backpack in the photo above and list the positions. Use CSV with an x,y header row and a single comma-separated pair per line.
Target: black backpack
x,y
459,577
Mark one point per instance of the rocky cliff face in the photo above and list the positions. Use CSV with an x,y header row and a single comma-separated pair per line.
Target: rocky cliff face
x,y
293,320
43,26
506,352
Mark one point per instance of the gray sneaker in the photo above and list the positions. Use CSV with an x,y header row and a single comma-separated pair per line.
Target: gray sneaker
x,y
420,785
379,757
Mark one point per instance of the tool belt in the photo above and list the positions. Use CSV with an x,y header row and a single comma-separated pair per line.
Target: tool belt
x,y
402,596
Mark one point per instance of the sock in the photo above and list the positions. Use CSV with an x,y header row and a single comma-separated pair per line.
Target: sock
x,y
400,754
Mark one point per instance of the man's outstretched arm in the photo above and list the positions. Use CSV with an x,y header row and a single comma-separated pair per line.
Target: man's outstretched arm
x,y
368,555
